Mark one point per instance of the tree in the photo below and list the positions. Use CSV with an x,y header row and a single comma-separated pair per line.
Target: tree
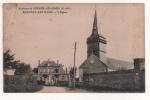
x,y
23,69
11,63
9,60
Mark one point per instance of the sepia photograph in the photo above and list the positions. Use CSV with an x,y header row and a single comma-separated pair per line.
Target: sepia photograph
x,y
74,48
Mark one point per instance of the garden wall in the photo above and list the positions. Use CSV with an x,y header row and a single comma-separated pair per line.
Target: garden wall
x,y
21,83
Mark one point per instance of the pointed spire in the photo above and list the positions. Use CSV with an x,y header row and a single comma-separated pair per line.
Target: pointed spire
x,y
95,20
95,29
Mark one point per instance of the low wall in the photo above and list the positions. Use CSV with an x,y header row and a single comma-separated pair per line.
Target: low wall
x,y
128,80
21,83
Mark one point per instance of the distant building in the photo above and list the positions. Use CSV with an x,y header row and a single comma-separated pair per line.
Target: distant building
x,y
51,72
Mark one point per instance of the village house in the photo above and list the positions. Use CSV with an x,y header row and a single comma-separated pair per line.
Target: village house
x,y
51,72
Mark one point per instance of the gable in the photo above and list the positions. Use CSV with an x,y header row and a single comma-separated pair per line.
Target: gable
x,y
93,65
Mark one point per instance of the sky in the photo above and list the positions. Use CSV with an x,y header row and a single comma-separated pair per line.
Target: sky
x,y
42,36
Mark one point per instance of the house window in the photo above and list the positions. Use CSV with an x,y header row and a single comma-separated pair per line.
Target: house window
x,y
56,70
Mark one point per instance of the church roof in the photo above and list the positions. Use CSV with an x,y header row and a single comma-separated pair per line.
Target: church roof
x,y
116,64
93,65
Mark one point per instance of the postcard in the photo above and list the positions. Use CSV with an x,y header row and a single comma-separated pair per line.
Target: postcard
x,y
74,48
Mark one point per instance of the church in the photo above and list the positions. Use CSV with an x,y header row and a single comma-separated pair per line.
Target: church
x,y
99,70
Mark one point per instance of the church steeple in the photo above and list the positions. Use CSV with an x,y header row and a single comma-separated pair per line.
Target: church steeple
x,y
94,37
93,40
96,42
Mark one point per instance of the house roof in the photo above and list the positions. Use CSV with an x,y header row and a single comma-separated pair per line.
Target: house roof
x,y
50,63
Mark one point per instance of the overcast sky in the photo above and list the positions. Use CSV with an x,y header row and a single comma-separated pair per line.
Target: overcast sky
x,y
34,37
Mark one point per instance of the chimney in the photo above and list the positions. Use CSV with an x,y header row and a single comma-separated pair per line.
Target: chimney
x,y
57,62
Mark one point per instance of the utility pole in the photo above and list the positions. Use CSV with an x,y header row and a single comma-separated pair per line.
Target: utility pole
x,y
74,66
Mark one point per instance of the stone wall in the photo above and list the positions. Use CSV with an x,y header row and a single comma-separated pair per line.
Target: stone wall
x,y
130,80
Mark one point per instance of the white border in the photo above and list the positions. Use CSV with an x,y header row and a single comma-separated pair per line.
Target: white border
x,y
74,1
82,96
